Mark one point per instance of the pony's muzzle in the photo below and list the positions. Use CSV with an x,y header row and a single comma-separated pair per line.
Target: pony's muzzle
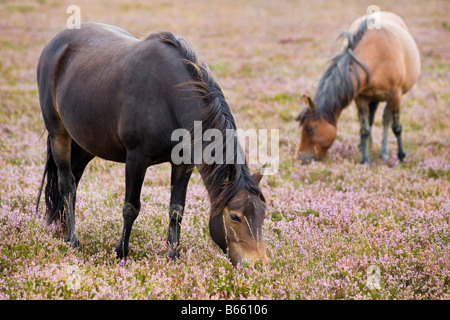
x,y
250,256
305,158
261,258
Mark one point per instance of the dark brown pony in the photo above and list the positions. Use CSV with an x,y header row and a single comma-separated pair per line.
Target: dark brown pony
x,y
105,93
377,64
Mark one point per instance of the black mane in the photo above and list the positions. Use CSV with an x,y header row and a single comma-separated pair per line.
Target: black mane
x,y
335,90
223,181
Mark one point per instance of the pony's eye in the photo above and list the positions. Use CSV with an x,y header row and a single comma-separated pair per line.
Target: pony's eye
x,y
234,217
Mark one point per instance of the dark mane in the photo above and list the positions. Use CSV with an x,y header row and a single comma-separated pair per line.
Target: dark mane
x,y
223,181
335,90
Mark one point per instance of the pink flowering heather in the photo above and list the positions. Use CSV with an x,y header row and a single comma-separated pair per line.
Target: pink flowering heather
x,y
328,224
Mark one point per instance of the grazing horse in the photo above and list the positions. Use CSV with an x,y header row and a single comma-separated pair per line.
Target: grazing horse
x,y
377,64
105,93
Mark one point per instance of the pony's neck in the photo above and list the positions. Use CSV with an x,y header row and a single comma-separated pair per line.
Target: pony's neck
x,y
330,112
220,187
329,106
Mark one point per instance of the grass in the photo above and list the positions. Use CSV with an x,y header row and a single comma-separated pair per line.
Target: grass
x,y
326,223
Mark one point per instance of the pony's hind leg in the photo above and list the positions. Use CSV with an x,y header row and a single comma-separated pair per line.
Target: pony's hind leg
x,y
363,116
373,105
387,119
61,152
135,169
79,160
178,186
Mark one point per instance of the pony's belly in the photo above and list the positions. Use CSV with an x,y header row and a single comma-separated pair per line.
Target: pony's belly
x,y
376,94
92,128
101,146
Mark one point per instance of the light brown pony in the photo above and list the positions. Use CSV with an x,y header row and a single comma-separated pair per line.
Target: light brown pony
x,y
380,61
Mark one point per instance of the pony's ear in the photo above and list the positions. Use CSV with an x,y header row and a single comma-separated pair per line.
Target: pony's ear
x,y
308,106
308,102
301,116
257,176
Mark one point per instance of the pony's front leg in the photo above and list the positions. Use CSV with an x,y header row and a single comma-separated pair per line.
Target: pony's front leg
x,y
135,169
363,116
179,182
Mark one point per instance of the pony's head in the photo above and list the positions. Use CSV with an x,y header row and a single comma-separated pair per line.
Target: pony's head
x,y
317,134
237,229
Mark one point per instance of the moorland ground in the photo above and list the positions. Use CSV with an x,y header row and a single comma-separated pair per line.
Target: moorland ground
x,y
326,223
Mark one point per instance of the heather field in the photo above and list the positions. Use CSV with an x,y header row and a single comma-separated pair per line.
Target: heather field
x,y
326,222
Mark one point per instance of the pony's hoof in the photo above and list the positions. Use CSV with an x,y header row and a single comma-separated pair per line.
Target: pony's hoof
x,y
121,252
73,241
173,255
75,244
401,156
384,155
365,161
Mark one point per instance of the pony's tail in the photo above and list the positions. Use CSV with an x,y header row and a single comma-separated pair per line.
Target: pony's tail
x,y
53,200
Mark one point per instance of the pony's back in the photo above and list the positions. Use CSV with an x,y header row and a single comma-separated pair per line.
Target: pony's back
x,y
388,50
385,18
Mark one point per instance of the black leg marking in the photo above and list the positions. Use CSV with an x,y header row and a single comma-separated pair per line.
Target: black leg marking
x,y
179,182
135,169
397,129
129,213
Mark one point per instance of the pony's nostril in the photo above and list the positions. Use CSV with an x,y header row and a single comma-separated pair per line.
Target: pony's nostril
x,y
305,158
